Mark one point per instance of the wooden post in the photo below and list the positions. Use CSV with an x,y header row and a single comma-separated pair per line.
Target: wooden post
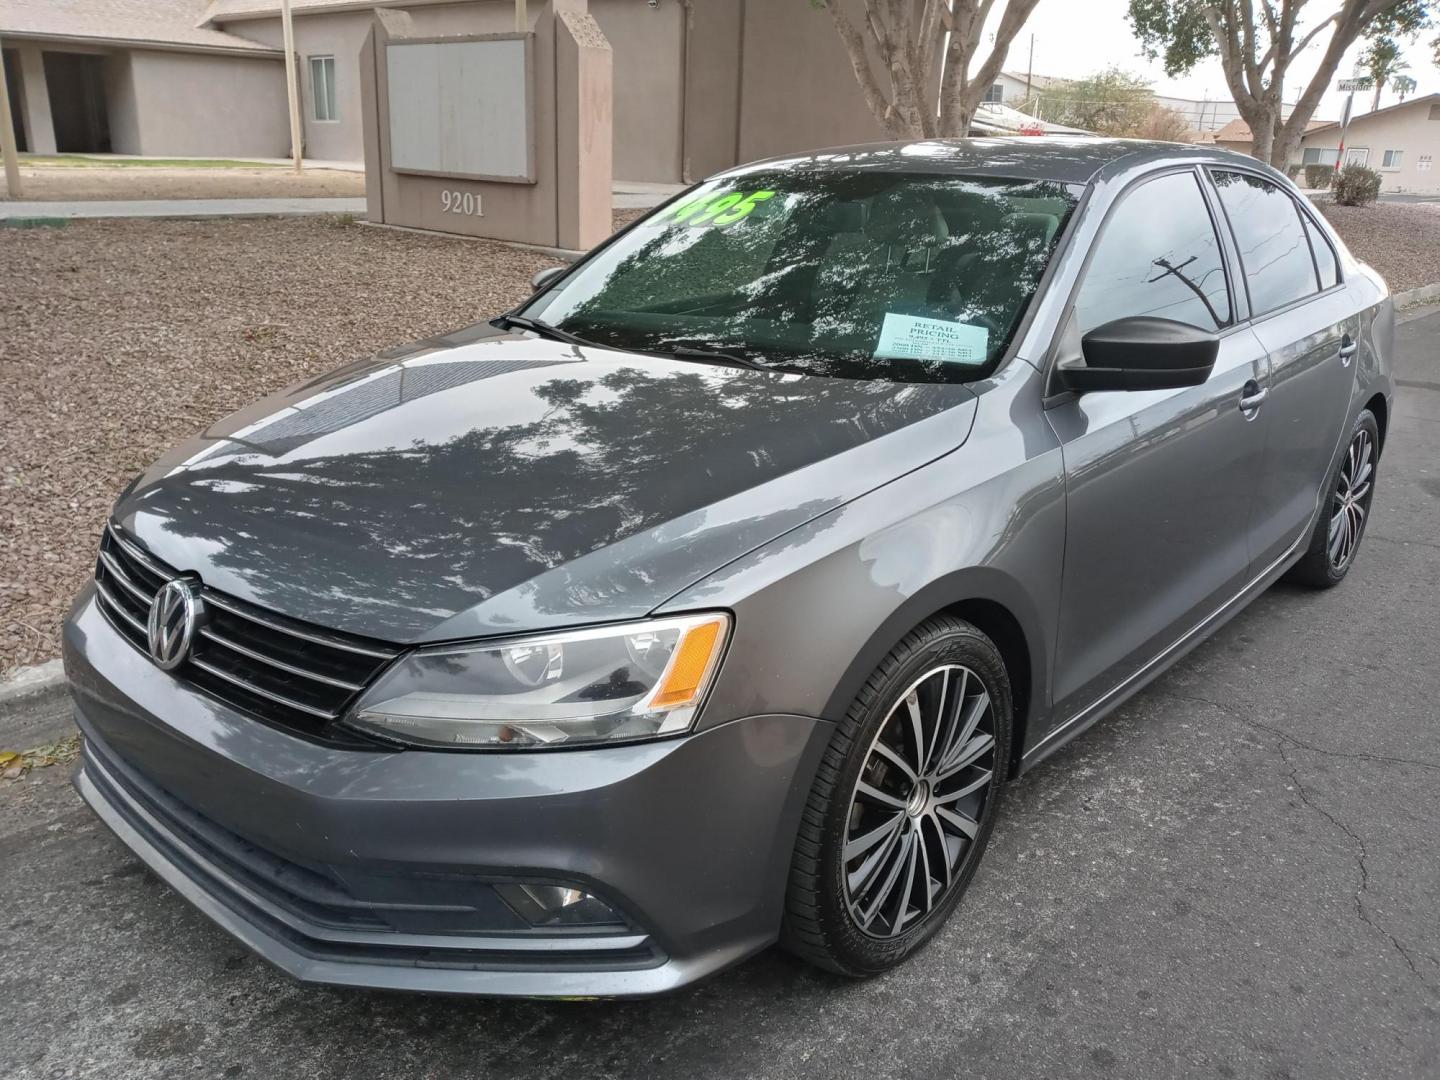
x,y
7,135
292,89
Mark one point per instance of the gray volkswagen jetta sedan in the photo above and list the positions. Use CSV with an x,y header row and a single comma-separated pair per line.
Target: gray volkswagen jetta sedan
x,y
707,598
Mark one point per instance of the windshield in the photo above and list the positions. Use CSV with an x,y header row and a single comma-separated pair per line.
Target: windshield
x,y
913,277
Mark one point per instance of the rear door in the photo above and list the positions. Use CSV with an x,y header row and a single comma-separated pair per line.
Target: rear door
x,y
1304,319
1159,483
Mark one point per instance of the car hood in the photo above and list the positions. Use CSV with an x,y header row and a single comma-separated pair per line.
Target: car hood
x,y
485,483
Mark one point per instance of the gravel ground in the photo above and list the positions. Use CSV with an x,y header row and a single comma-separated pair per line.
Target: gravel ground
x,y
1401,241
118,338
74,183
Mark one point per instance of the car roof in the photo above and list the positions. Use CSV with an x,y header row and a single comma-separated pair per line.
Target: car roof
x,y
1067,159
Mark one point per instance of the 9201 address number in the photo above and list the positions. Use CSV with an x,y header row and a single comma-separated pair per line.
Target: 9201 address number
x,y
461,202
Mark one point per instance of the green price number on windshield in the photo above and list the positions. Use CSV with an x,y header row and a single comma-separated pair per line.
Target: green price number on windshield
x,y
719,209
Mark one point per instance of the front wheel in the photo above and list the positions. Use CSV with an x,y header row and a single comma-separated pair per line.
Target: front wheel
x,y
903,803
1336,538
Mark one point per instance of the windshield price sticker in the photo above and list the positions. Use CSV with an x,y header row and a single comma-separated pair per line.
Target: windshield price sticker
x,y
910,337
714,209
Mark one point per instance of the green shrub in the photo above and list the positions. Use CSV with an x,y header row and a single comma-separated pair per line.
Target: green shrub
x,y
1294,171
1319,176
1355,185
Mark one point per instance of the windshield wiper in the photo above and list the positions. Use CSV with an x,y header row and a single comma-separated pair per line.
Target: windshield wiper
x,y
544,329
714,356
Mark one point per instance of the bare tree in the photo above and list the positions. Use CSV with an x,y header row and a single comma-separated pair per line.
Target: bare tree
x,y
909,38
1257,40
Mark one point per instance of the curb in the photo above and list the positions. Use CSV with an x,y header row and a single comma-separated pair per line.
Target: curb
x,y
35,707
1416,295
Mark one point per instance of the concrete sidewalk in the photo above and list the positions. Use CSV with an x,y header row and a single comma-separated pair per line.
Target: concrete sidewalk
x,y
179,208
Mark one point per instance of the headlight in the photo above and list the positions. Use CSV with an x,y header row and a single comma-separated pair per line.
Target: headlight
x,y
633,681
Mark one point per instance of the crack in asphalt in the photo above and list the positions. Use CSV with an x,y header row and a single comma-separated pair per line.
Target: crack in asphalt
x,y
1362,854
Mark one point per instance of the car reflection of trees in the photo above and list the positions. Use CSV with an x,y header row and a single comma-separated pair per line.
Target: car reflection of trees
x,y
804,264
405,535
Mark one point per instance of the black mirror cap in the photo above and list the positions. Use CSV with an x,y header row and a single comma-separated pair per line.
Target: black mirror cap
x,y
546,276
1142,353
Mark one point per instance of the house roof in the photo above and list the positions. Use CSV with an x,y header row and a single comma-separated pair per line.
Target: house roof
x,y
222,11
1239,131
1426,100
166,24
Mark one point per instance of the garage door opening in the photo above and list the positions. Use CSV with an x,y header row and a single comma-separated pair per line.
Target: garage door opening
x,y
77,102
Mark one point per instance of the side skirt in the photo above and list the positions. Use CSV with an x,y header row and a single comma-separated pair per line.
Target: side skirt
x,y
1163,660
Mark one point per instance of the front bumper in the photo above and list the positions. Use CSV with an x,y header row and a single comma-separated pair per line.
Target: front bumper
x,y
375,868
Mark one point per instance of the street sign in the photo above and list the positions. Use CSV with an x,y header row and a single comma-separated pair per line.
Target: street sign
x,y
1353,84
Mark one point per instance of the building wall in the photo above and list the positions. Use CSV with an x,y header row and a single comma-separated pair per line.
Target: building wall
x,y
122,104
200,105
647,47
798,90
1410,130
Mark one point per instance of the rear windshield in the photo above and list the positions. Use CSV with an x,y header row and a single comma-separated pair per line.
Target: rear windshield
x,y
851,274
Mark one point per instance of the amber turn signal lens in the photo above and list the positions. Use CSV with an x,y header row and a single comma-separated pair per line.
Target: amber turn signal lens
x,y
692,659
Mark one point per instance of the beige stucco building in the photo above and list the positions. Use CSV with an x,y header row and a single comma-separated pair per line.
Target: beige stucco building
x,y
1401,141
698,84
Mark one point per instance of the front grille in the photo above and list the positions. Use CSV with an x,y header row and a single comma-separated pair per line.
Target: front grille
x,y
286,673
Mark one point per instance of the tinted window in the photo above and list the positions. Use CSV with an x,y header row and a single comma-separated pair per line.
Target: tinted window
x,y
1273,248
850,273
1326,261
1158,255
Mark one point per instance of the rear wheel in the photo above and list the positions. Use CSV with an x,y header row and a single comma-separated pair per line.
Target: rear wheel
x,y
1337,535
903,803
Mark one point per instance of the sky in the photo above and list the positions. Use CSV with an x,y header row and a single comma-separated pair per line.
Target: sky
x,y
1079,37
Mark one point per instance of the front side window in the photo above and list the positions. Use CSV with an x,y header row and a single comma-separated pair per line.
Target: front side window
x,y
1392,159
1321,155
1158,255
1273,250
995,94
830,271
322,87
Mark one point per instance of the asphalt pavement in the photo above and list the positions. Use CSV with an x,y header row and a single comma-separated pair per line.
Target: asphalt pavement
x,y
1236,875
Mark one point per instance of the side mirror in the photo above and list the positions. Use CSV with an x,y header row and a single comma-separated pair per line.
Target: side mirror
x,y
1141,353
546,276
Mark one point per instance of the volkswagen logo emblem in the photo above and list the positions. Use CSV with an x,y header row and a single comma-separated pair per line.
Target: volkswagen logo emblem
x,y
173,615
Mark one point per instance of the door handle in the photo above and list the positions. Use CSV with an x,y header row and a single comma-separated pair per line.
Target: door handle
x,y
1252,396
1347,347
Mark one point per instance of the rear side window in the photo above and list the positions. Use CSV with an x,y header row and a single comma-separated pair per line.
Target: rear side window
x,y
1273,249
1157,255
1327,263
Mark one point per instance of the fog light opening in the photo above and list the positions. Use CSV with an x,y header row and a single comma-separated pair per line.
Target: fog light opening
x,y
557,905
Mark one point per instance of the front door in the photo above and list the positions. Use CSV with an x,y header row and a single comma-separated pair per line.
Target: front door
x,y
1160,483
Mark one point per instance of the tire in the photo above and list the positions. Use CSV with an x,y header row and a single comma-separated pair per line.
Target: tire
x,y
829,895
1319,567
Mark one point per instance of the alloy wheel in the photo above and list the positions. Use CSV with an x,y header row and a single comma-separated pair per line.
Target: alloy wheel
x,y
919,801
1351,504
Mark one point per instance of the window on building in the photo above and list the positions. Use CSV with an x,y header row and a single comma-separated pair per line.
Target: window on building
x,y
1422,164
1357,155
322,87
995,95
1321,155
1391,160
1273,250
1158,255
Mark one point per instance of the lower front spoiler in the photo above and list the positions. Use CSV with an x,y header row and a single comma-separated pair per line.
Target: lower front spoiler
x,y
239,912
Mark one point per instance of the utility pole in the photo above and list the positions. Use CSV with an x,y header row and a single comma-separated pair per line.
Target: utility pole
x,y
292,89
1349,86
1030,68
7,135
522,17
